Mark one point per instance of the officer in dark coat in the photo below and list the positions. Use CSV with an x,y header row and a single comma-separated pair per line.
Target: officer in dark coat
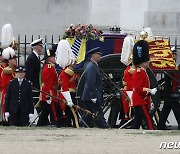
x,y
33,67
18,100
92,93
172,97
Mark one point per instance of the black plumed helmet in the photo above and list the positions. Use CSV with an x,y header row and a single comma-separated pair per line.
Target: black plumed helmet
x,y
140,52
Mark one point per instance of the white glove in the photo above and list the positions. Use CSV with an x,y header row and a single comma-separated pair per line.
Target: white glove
x,y
48,101
153,91
70,103
67,96
31,115
7,114
94,100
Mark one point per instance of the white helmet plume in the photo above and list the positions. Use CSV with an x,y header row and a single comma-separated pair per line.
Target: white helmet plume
x,y
6,36
64,54
8,53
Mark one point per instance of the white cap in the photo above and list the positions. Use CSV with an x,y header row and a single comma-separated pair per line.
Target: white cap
x,y
6,36
37,42
64,54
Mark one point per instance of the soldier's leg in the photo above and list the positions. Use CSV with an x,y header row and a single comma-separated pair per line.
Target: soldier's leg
x,y
146,117
36,99
43,118
176,110
164,115
137,118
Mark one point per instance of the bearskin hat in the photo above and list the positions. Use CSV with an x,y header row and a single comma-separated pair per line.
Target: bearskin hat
x,y
140,52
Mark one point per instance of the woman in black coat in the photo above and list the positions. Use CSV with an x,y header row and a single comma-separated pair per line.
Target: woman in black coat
x,y
19,100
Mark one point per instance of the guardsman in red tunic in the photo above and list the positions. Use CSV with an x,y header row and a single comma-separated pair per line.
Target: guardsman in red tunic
x,y
7,74
68,83
7,42
126,58
127,82
66,60
141,85
49,86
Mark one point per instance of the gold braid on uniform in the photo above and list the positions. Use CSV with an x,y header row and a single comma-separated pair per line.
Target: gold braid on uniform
x,y
131,70
69,71
7,70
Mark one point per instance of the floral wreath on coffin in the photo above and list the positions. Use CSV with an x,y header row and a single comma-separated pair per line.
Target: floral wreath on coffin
x,y
82,31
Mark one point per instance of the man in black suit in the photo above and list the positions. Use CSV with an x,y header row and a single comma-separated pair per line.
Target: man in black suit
x,y
18,100
33,67
92,94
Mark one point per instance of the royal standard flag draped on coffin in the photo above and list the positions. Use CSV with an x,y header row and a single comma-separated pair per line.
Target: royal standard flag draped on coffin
x,y
160,55
78,47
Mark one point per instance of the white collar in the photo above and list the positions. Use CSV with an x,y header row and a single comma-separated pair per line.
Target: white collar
x,y
36,54
95,62
20,80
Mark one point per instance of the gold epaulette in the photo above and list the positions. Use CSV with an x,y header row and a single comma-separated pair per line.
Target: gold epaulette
x,y
131,70
1,64
69,71
50,65
7,70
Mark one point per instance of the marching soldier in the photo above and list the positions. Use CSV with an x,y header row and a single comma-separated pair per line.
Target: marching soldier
x,y
66,60
141,85
19,101
49,86
127,82
7,74
126,58
33,68
172,97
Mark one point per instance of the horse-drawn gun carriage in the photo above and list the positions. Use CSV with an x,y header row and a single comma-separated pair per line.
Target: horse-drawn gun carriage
x,y
112,70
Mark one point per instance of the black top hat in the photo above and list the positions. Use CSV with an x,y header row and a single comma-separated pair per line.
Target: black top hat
x,y
54,47
36,42
140,52
20,68
94,50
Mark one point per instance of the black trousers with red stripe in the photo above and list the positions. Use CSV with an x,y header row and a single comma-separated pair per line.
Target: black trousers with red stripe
x,y
141,114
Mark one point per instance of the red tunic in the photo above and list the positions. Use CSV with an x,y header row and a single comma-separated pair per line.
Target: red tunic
x,y
1,69
140,80
68,83
49,82
127,87
128,79
5,79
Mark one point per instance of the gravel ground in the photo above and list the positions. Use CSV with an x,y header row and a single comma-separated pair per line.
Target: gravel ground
x,y
14,140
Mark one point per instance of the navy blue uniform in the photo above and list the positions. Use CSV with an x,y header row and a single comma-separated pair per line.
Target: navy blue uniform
x,y
19,102
93,89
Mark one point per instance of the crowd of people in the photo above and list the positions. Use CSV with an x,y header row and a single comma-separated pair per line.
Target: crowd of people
x,y
38,85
